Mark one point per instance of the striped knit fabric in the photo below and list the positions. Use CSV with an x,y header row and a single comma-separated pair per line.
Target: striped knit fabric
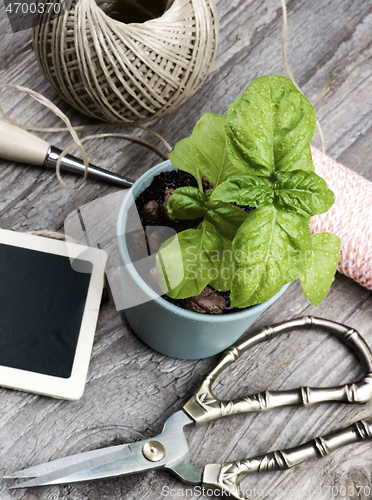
x,y
350,217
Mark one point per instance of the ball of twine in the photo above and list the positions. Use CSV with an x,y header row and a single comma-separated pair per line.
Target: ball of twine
x,y
119,72
350,217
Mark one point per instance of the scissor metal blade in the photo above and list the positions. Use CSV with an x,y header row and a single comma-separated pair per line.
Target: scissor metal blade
x,y
172,439
88,458
135,462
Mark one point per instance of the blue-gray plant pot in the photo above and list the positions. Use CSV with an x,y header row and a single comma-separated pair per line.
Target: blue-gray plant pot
x,y
169,329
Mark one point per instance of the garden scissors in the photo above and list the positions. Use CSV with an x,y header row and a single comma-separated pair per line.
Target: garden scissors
x,y
169,449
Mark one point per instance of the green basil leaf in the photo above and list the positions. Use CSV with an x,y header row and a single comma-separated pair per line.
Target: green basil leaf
x,y
222,260
208,147
187,203
270,249
245,189
269,127
225,217
305,162
318,275
184,263
303,192
182,158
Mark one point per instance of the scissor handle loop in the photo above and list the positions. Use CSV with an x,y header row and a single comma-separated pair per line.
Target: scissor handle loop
x,y
204,407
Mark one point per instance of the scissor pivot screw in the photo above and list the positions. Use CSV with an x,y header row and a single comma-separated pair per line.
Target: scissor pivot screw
x,y
153,451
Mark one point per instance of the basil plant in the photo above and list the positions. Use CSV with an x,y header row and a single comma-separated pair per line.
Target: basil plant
x,y
259,156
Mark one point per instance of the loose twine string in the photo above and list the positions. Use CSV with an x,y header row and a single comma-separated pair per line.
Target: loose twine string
x,y
350,217
77,142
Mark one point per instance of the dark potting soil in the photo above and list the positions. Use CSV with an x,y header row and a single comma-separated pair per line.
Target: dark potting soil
x,y
167,179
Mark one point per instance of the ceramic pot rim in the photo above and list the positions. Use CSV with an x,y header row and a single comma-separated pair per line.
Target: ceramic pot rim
x,y
142,183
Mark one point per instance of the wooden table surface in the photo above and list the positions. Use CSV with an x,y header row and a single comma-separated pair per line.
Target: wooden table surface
x,y
131,390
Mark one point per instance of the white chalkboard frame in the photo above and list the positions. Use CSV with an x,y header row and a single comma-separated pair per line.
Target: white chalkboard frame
x,y
71,388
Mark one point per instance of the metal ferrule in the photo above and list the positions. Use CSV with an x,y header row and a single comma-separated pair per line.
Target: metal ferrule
x,y
71,164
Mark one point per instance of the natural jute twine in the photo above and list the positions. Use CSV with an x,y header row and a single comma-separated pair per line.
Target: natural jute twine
x,y
77,142
119,72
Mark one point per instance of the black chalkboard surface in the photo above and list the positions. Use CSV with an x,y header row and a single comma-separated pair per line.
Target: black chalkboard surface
x,y
48,314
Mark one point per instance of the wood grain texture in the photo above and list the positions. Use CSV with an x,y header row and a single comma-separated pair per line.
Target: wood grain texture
x,y
131,390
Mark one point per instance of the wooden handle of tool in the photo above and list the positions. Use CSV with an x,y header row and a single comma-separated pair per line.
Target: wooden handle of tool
x,y
19,145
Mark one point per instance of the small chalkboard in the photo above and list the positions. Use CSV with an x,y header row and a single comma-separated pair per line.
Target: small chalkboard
x,y
48,313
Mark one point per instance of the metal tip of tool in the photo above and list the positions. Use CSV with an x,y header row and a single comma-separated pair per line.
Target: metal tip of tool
x,y
14,487
32,481
71,164
23,484
19,474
